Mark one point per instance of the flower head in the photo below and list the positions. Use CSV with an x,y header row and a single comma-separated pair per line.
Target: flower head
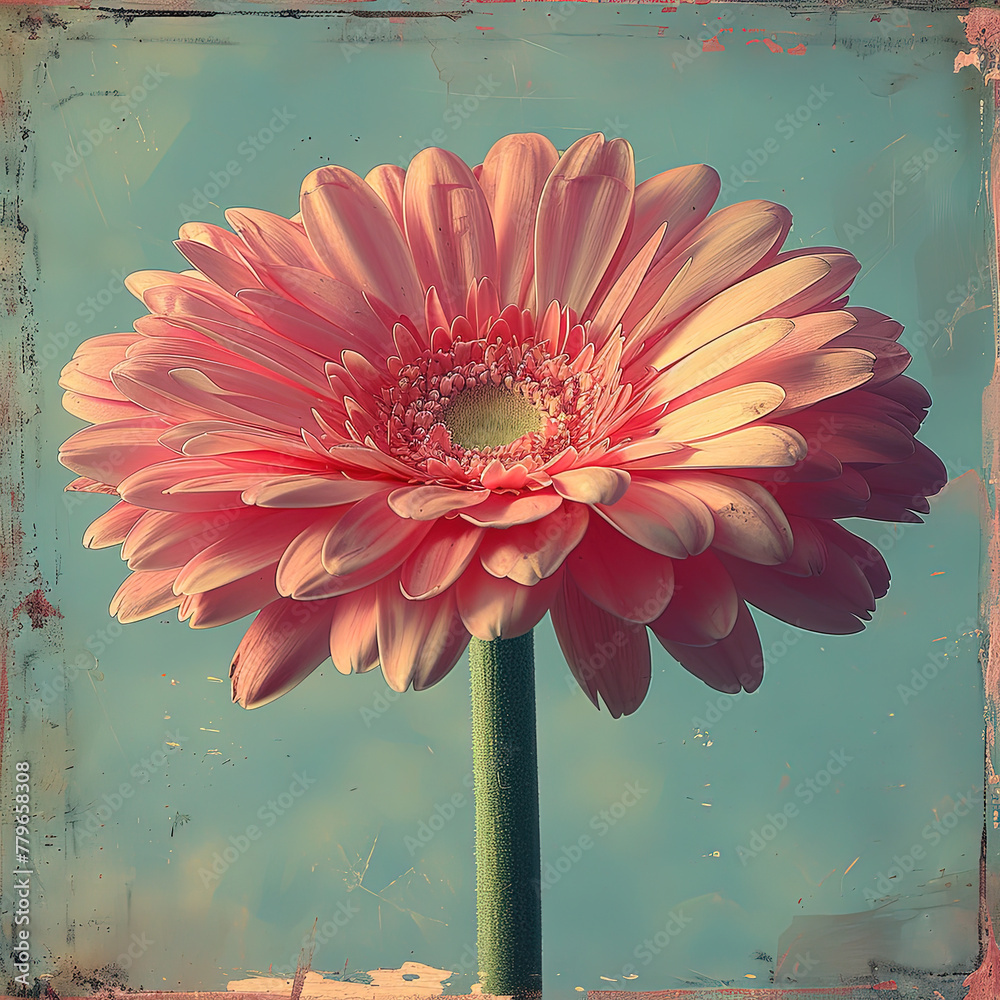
x,y
441,402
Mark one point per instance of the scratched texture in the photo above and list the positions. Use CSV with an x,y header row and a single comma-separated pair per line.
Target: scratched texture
x,y
823,833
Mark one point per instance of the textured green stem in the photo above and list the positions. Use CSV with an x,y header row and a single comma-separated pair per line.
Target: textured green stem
x,y
508,852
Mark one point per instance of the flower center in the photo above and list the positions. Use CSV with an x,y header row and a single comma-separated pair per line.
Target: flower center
x,y
489,417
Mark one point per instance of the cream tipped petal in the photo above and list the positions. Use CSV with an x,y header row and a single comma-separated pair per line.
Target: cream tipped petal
x,y
357,238
448,226
514,172
582,215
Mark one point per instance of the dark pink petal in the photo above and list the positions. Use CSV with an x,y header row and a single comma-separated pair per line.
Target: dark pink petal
x,y
704,604
619,576
732,664
809,554
608,656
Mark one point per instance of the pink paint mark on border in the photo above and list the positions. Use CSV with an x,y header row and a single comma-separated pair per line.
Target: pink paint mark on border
x,y
982,29
38,609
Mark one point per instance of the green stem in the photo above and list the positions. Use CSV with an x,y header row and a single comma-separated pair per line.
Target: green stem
x,y
508,852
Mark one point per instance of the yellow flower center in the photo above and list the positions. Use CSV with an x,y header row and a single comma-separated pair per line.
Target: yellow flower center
x,y
489,417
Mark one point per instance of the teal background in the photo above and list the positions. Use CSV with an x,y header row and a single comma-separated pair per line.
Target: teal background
x,y
710,769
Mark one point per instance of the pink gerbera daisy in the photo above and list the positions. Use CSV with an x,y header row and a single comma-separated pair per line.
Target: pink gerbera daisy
x,y
441,402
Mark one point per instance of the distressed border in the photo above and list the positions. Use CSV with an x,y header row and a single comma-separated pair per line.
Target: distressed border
x,y
983,34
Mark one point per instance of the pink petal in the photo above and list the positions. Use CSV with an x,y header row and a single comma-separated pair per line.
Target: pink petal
x,y
386,180
744,302
353,637
619,576
502,511
662,518
427,503
167,539
748,521
725,247
583,212
286,642
608,314
608,656
810,378
721,412
149,487
371,533
227,272
300,573
820,295
272,239
112,526
448,226
704,604
714,358
418,641
528,553
681,198
729,665
230,603
321,335
100,410
593,485
764,445
250,545
358,239
143,595
112,451
440,559
310,491
500,608
514,173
